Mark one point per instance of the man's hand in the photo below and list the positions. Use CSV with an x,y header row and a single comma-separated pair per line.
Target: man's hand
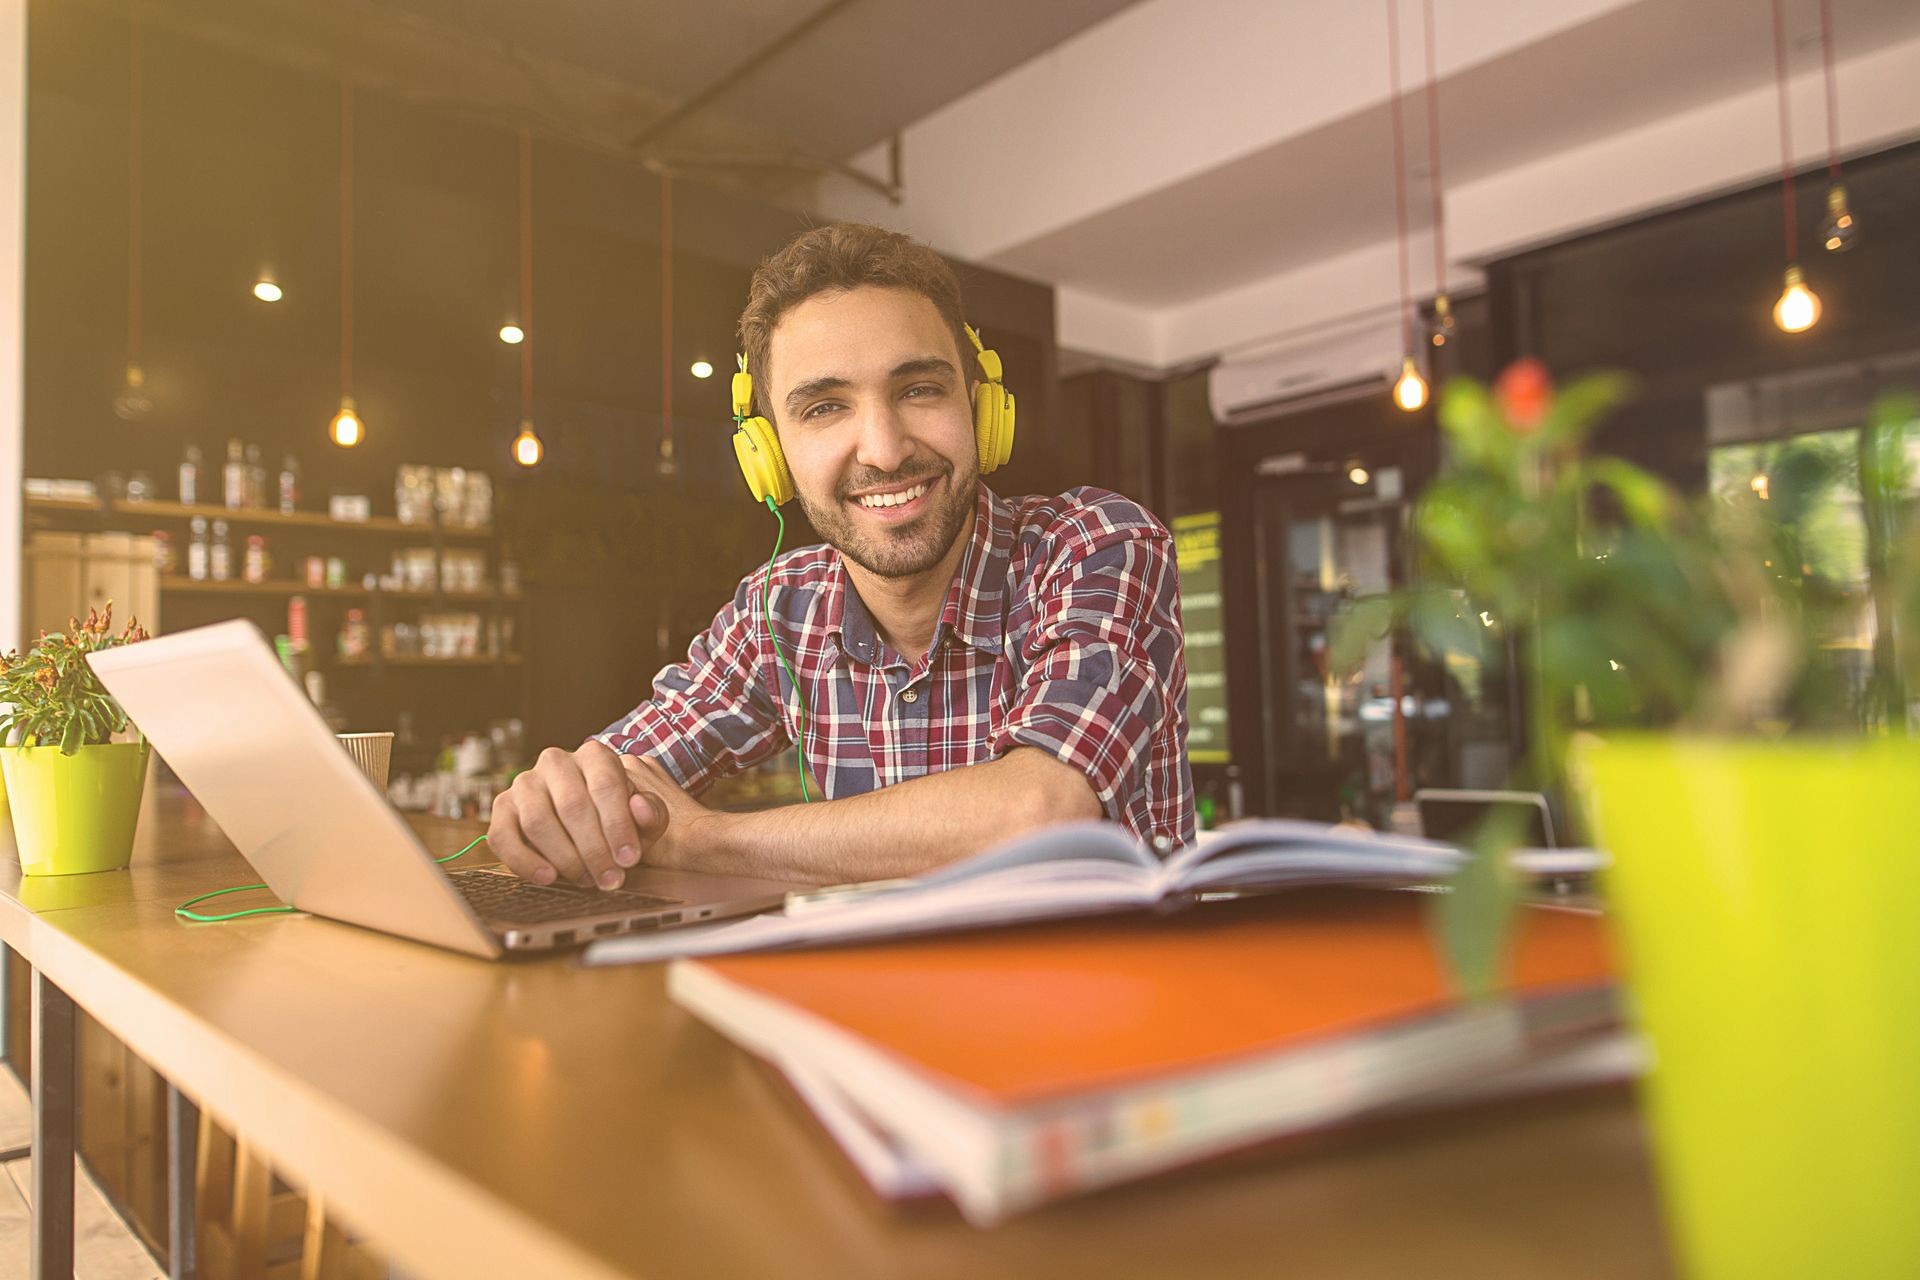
x,y
570,818
672,824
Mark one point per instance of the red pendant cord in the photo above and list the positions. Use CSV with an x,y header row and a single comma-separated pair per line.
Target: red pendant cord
x,y
346,237
133,195
666,313
526,276
1399,168
1786,126
1433,160
1833,93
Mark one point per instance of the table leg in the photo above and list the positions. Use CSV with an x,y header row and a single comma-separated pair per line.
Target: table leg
x,y
183,1141
53,1131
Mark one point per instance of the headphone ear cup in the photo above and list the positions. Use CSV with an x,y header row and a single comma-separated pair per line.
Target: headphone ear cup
x,y
992,425
756,447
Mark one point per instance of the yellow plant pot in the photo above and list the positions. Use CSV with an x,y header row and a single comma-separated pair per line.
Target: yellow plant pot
x,y
74,814
1763,895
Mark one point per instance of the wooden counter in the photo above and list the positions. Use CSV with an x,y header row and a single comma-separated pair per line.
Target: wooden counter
x,y
535,1118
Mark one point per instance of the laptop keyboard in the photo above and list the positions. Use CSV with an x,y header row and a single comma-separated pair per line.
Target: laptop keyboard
x,y
506,897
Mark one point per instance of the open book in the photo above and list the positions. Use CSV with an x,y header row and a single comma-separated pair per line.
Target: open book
x,y
1078,868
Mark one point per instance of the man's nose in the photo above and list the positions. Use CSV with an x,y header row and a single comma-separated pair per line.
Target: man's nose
x,y
883,443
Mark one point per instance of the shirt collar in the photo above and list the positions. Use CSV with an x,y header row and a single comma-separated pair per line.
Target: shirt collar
x,y
975,607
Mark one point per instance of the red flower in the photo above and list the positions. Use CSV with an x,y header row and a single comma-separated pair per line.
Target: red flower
x,y
1524,393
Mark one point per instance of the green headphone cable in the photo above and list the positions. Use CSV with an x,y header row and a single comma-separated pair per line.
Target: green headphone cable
x,y
185,914
766,605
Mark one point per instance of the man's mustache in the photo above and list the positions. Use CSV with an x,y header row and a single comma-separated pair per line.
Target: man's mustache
x,y
889,479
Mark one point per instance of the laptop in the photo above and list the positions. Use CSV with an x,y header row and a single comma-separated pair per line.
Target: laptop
x,y
229,719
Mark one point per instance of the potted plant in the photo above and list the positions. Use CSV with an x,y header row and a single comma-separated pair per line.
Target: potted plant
x,y
75,793
1731,709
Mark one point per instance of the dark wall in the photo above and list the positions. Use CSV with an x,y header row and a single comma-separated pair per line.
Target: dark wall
x,y
241,176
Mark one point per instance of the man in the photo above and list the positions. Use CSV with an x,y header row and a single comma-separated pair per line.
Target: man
x,y
968,667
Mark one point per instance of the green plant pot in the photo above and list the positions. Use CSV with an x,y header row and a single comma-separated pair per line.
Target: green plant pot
x,y
1763,895
74,814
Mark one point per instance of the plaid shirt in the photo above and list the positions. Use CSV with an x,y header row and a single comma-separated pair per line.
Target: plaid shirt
x,y
1061,631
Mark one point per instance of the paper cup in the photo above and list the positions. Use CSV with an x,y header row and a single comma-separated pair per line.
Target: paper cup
x,y
373,752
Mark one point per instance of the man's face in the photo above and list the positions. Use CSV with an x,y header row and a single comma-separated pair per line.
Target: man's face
x,y
872,407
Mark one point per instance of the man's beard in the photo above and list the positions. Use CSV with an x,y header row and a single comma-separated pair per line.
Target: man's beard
x,y
906,550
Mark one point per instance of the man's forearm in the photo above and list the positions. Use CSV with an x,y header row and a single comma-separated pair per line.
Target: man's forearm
x,y
901,830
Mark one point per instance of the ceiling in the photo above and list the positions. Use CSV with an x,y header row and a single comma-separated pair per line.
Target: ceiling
x,y
824,78
1328,189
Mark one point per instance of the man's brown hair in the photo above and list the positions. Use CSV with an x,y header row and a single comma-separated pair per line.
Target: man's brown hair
x,y
840,256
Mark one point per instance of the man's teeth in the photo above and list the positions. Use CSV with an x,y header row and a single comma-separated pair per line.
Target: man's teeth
x,y
894,499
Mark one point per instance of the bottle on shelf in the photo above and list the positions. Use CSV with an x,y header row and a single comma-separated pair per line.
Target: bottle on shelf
x,y
289,485
197,550
166,561
220,553
255,567
234,475
256,478
190,467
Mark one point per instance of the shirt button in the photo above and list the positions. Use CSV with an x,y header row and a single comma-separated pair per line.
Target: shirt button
x,y
911,695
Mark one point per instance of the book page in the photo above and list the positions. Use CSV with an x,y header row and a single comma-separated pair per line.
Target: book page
x,y
1275,852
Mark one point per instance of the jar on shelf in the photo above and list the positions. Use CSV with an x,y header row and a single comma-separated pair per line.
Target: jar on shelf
x,y
166,560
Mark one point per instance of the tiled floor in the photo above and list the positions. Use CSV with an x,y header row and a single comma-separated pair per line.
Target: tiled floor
x,y
104,1249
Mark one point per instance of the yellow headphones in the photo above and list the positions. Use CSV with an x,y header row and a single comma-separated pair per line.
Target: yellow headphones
x,y
757,445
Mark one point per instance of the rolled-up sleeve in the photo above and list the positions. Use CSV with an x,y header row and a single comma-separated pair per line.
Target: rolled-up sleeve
x,y
1103,654
711,715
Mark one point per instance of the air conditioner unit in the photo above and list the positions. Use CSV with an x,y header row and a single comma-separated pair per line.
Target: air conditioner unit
x,y
1357,362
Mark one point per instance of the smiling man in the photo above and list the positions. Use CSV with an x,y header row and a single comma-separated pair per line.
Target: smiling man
x,y
957,667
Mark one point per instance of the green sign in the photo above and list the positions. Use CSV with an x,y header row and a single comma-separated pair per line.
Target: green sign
x,y
1196,546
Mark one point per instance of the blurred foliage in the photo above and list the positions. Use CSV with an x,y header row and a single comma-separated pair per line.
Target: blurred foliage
x,y
1629,607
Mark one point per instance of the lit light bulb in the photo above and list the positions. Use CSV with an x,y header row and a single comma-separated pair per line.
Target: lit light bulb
x,y
1358,474
526,445
346,429
267,291
702,369
1442,330
1798,309
512,334
1760,485
133,403
1411,391
1842,230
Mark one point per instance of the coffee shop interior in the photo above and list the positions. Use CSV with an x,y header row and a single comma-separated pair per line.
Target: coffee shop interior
x,y
404,330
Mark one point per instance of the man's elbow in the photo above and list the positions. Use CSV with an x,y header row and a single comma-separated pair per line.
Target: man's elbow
x,y
1057,792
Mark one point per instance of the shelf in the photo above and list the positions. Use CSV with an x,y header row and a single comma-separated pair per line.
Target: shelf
x,y
287,587
257,517
415,660
62,504
241,587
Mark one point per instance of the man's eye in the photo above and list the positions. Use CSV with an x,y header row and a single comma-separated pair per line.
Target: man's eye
x,y
926,389
818,410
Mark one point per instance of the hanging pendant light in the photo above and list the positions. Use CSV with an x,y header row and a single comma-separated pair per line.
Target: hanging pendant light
x,y
1798,308
346,429
666,466
526,446
527,449
132,402
1410,391
1842,229
1441,331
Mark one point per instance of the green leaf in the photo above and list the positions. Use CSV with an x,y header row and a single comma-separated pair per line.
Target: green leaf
x,y
1358,627
1473,920
72,740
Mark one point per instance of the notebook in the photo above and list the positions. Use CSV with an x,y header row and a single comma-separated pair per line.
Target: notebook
x,y
1018,1066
